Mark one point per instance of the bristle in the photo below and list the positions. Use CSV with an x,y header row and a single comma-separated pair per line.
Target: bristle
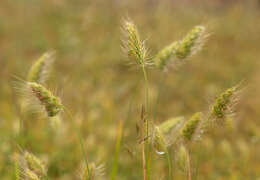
x,y
35,164
224,104
159,141
135,48
95,171
51,103
39,70
170,124
176,52
191,126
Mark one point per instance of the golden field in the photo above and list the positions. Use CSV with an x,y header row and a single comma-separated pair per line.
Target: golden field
x,y
92,76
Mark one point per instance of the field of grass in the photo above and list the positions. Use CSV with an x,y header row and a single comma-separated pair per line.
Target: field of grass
x,y
108,98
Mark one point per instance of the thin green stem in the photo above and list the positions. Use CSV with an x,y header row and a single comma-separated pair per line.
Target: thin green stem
x,y
146,88
81,142
118,146
147,121
119,142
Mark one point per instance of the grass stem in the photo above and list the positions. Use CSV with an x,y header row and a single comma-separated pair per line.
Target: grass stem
x,y
118,147
147,151
81,142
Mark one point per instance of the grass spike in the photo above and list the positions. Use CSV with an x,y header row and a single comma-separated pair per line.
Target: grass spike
x,y
51,103
35,164
40,69
191,126
180,50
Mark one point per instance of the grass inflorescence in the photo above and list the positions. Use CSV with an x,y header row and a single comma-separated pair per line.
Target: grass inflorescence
x,y
178,51
51,103
41,68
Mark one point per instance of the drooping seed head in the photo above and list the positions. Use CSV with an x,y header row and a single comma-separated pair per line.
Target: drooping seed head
x,y
40,69
191,126
170,124
180,50
34,164
165,55
191,43
51,103
223,104
133,45
166,133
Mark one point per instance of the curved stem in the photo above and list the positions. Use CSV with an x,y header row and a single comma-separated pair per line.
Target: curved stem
x,y
80,140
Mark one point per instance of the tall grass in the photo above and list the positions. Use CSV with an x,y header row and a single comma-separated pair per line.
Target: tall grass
x,y
175,134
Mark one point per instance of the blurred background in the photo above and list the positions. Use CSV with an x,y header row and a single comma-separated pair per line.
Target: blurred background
x,y
94,81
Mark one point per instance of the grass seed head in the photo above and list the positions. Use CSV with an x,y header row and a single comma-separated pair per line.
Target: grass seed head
x,y
51,103
40,69
180,50
224,103
165,55
34,164
133,45
191,126
159,141
170,124
192,42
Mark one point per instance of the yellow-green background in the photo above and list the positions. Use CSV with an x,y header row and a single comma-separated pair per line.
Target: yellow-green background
x,y
92,76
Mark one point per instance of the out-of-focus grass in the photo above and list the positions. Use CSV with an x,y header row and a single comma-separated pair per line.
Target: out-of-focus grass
x,y
97,85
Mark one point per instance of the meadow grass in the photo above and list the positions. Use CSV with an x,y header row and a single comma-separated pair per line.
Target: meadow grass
x,y
169,140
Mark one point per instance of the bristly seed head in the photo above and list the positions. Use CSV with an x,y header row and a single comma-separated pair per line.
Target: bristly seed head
x,y
177,51
191,42
35,164
134,46
223,104
159,141
165,134
191,126
39,70
51,103
170,124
